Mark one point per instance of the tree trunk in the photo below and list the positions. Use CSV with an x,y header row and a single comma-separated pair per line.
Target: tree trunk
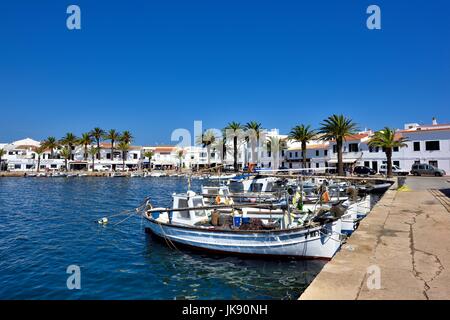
x,y
65,161
339,152
39,163
98,149
257,152
235,154
112,151
254,160
208,155
85,152
123,161
389,162
304,154
93,163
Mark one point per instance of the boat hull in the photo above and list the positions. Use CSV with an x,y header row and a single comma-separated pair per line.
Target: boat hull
x,y
320,242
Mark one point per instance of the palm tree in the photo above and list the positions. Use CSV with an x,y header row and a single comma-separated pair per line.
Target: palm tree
x,y
207,139
234,129
219,147
51,143
337,127
93,152
97,134
302,134
85,140
386,139
39,151
126,137
69,140
180,154
124,147
149,154
114,136
275,145
65,153
256,129
2,153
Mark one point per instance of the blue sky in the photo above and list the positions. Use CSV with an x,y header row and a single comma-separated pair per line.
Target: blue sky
x,y
153,66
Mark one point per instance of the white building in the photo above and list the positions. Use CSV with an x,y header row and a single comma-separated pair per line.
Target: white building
x,y
426,144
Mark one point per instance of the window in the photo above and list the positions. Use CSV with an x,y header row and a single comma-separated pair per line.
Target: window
x,y
135,156
17,166
317,165
290,154
433,163
395,149
282,153
417,146
183,203
317,153
334,148
290,165
296,154
325,152
366,163
396,163
269,153
353,147
108,156
432,145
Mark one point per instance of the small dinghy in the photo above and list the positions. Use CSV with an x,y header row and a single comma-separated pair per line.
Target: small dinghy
x,y
193,224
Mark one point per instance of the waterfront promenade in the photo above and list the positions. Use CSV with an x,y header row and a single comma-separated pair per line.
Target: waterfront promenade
x,y
406,236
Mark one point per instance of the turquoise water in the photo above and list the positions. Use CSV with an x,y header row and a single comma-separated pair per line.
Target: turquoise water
x,y
47,224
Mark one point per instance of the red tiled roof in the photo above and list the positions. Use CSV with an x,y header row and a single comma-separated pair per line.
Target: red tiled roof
x,y
357,136
354,137
165,149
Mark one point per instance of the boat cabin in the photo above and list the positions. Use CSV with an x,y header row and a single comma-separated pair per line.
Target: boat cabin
x,y
222,191
189,200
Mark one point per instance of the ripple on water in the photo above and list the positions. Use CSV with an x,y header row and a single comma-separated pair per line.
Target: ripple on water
x,y
48,224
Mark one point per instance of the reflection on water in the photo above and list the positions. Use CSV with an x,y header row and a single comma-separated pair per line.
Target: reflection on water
x,y
47,224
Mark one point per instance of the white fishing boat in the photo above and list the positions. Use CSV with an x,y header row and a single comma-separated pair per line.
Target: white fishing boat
x,y
222,177
136,175
158,174
118,174
31,174
190,223
355,211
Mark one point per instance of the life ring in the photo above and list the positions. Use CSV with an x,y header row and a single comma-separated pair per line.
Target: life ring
x,y
218,200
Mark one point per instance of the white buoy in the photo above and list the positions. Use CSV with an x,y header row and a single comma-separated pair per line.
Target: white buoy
x,y
103,220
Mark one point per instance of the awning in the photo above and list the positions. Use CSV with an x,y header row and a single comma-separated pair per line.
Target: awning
x,y
343,160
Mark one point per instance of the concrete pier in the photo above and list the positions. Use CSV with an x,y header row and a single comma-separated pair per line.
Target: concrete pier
x,y
400,251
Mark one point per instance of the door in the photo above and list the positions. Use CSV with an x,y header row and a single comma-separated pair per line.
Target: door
x,y
423,168
375,165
